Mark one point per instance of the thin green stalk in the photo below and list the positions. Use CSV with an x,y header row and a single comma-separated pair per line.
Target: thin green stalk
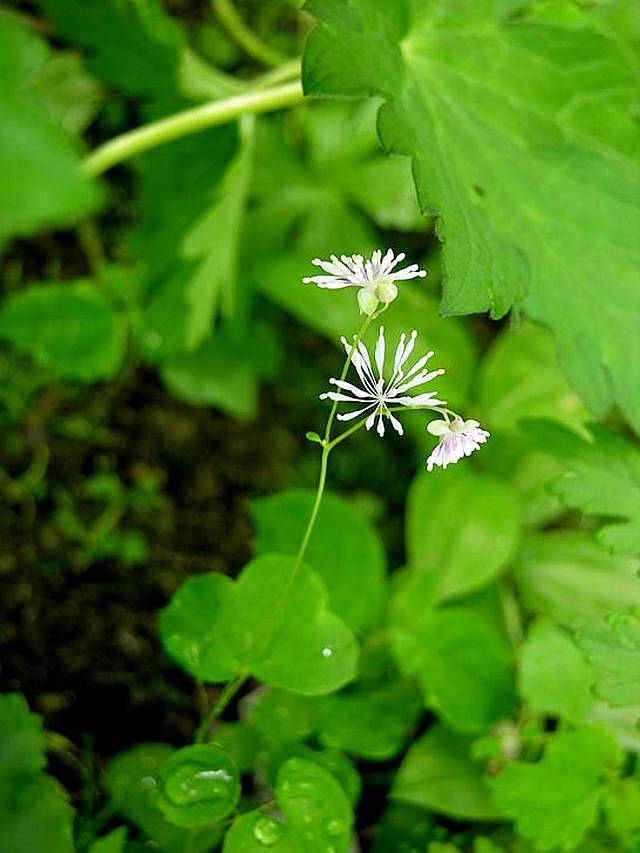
x,y
354,346
232,687
229,691
244,36
190,121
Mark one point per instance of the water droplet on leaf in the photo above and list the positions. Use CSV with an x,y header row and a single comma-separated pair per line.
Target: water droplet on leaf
x,y
268,831
327,651
334,827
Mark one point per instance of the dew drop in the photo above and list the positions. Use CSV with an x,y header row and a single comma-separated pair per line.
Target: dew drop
x,y
148,782
267,831
334,827
327,651
153,340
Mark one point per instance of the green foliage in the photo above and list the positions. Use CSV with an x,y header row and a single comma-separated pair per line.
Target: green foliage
x,y
571,579
132,781
554,678
439,773
71,329
211,628
132,47
520,378
344,549
468,548
603,478
199,785
114,842
555,802
463,665
370,721
613,648
496,109
488,688
316,815
41,184
34,812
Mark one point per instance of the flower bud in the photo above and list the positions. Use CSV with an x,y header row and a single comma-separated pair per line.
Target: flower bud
x,y
386,291
368,300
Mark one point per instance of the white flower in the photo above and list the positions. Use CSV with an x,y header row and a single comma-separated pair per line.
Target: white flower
x,y
374,277
376,395
458,438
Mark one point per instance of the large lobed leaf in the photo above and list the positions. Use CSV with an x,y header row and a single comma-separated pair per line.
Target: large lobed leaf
x,y
523,142
602,477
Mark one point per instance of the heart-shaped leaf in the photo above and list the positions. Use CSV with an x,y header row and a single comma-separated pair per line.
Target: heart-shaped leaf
x,y
272,623
344,549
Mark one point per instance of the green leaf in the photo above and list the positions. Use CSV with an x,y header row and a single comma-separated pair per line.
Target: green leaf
x,y
344,549
483,138
223,372
466,548
71,95
603,478
41,184
212,245
316,815
281,717
553,677
555,802
528,471
568,577
622,810
439,774
253,831
132,782
114,842
463,665
612,647
34,812
314,805
133,47
277,629
370,721
240,740
72,329
520,378
403,827
200,785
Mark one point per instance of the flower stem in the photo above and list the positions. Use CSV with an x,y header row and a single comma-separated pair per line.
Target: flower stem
x,y
190,121
245,37
232,687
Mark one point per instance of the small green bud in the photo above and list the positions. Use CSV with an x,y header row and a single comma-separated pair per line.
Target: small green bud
x,y
313,436
386,291
368,300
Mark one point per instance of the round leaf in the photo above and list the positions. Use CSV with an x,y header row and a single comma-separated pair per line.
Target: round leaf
x,y
344,549
462,526
199,785
438,774
315,806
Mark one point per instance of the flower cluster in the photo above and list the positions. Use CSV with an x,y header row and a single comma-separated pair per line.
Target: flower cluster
x,y
376,398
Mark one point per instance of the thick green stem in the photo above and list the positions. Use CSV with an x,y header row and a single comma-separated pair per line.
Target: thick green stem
x,y
190,121
245,37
